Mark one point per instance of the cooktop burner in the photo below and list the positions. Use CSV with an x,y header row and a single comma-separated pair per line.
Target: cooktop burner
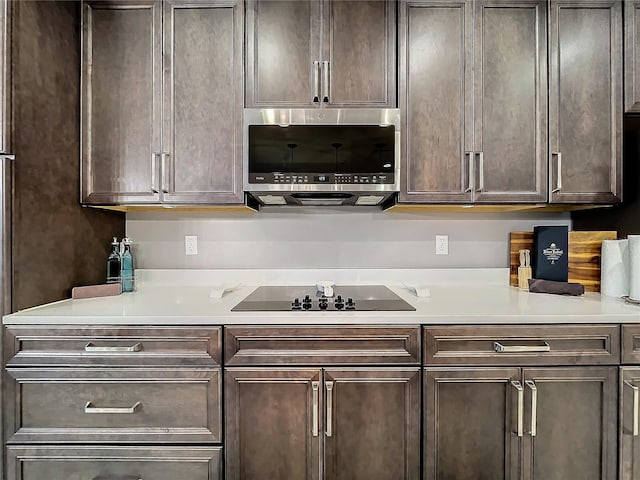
x,y
305,298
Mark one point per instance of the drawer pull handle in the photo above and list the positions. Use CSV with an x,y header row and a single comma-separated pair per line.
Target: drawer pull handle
x,y
315,385
90,347
636,395
89,408
518,386
498,347
329,386
534,407
117,477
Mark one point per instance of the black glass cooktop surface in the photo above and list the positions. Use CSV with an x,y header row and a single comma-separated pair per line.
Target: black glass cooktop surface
x,y
307,298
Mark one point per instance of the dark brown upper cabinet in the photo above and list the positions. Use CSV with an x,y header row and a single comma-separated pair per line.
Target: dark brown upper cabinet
x,y
473,94
5,83
585,102
311,53
162,102
632,56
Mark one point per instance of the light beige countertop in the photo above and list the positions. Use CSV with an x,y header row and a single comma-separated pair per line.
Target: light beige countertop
x,y
483,297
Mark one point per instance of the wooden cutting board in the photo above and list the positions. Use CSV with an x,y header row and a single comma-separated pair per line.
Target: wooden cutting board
x,y
584,256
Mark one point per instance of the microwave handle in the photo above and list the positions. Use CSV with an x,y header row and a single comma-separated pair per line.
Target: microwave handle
x,y
325,81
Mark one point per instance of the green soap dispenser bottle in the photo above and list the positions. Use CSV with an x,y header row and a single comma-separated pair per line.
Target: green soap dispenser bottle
x,y
127,268
113,262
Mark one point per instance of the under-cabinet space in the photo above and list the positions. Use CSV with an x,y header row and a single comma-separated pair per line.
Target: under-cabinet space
x,y
114,463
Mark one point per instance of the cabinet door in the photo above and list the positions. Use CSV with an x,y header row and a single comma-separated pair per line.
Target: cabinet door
x,y
202,134
629,428
471,423
435,101
585,131
273,424
283,42
510,101
372,424
5,78
632,56
121,101
359,44
571,420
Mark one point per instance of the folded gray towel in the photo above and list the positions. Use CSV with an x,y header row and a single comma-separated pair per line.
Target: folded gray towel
x,y
558,288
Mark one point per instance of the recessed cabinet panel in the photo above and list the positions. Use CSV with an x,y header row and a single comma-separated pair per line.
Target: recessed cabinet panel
x,y
575,423
470,424
272,424
372,424
629,425
283,40
632,56
510,101
435,98
360,46
586,101
121,101
203,102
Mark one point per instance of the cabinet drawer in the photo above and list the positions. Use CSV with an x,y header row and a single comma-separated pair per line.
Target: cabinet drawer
x,y
111,463
631,344
322,345
118,346
523,345
114,405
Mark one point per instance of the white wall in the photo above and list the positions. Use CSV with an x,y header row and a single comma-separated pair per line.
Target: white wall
x,y
309,238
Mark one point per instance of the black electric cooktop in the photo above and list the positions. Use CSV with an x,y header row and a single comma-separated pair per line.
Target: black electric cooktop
x,y
306,298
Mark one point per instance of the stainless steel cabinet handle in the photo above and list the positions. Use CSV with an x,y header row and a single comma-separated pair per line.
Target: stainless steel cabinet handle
x,y
558,172
469,188
480,172
315,386
534,406
316,81
325,82
164,173
117,477
636,399
518,386
89,408
498,347
329,387
90,347
154,173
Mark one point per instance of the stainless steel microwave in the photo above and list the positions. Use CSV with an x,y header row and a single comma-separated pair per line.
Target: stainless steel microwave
x,y
310,157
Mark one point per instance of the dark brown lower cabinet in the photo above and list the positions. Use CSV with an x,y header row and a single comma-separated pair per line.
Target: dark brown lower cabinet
x,y
520,423
629,429
336,424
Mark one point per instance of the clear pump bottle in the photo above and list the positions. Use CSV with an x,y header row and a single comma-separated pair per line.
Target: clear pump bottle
x,y
113,262
127,267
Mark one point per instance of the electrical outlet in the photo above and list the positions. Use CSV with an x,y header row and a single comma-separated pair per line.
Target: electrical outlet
x,y
190,245
442,244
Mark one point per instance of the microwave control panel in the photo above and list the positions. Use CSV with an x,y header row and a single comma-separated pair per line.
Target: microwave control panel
x,y
321,178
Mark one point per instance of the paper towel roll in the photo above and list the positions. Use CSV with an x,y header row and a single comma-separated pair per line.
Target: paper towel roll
x,y
634,267
614,268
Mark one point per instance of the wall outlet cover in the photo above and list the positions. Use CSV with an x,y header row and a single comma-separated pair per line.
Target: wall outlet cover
x,y
442,244
191,245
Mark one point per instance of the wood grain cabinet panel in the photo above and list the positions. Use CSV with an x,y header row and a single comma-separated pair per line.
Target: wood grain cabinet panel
x,y
470,424
5,78
629,424
372,423
202,131
114,463
585,103
273,424
60,346
121,100
163,123
114,405
575,423
631,56
330,53
322,345
522,345
473,89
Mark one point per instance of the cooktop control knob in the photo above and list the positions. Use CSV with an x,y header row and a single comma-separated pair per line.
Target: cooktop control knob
x,y
295,305
323,303
350,305
339,302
